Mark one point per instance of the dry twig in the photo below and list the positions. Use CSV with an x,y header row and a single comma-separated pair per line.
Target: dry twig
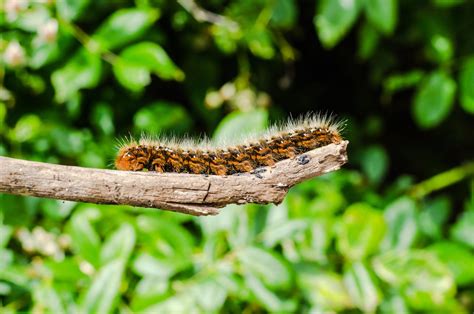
x,y
186,193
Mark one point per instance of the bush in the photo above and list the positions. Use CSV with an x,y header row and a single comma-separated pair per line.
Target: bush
x,y
392,232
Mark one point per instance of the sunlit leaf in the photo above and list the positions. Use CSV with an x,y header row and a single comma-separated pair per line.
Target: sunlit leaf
x,y
286,230
124,26
401,219
47,297
382,14
71,9
434,99
360,232
458,258
209,294
266,297
466,85
238,124
434,215
132,76
375,162
166,238
267,266
284,13
334,18
83,70
161,117
102,295
85,240
260,43
138,61
28,127
118,245
425,282
146,264
362,287
325,290
148,291
463,229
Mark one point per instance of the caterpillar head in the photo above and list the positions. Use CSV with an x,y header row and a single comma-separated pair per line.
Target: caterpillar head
x,y
128,160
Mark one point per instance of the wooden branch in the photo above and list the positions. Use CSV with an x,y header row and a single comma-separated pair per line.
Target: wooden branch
x,y
185,193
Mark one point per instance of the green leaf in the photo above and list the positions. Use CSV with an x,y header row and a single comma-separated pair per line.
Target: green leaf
x,y
399,82
102,118
260,43
132,76
26,128
83,70
458,258
239,124
177,303
55,209
466,85
448,3
5,234
382,14
166,238
424,281
47,298
148,265
463,229
433,216
119,245
362,287
368,39
70,10
393,303
440,47
284,13
154,58
266,297
102,295
324,290
361,230
44,54
148,291
85,240
124,26
138,61
267,266
226,38
317,241
400,216
274,234
334,18
375,162
434,99
162,116
209,295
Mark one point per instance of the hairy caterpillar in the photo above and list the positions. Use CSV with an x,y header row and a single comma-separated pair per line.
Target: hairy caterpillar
x,y
279,142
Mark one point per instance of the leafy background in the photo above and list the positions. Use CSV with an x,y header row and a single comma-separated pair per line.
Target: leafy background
x,y
392,232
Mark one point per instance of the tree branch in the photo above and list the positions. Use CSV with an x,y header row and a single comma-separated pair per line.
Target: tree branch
x,y
185,193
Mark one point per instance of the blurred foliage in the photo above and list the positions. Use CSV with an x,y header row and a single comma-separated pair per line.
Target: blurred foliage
x,y
392,232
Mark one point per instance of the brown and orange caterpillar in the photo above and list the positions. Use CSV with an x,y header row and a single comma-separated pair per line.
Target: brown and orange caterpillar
x,y
279,142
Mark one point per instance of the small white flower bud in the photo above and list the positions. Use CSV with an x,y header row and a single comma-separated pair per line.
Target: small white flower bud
x,y
14,54
14,7
49,31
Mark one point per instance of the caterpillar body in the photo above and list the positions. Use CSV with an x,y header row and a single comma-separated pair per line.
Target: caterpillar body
x,y
281,141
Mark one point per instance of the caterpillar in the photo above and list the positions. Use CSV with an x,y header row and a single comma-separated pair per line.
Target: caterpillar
x,y
280,141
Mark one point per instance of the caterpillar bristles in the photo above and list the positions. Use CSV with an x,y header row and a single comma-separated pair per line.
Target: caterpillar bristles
x,y
280,141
